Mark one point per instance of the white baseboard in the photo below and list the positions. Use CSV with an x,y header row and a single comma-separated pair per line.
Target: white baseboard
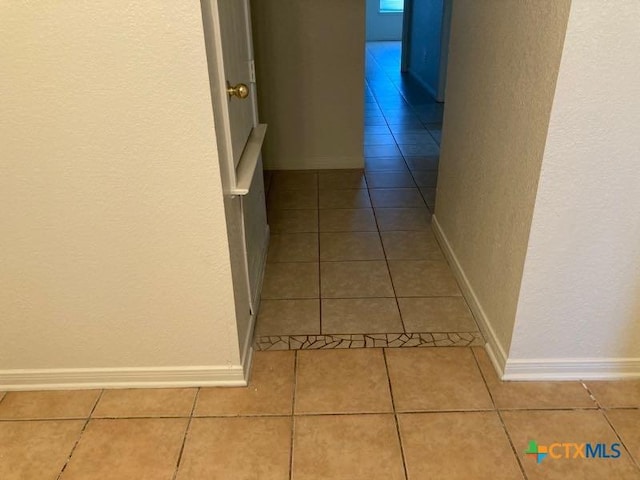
x,y
573,369
316,163
139,377
494,348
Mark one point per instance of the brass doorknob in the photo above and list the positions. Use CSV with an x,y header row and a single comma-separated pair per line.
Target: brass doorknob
x,y
240,90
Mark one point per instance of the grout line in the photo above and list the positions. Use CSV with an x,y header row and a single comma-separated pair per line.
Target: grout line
x,y
292,416
186,432
84,427
504,427
395,414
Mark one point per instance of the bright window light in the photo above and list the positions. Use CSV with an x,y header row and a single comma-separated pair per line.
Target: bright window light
x,y
391,6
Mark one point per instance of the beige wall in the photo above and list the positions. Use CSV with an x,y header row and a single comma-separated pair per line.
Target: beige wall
x,y
579,305
503,64
113,247
310,72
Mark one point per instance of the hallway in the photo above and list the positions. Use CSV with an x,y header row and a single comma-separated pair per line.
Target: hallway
x,y
352,259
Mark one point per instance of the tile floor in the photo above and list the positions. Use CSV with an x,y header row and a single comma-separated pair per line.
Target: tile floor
x,y
353,261
369,414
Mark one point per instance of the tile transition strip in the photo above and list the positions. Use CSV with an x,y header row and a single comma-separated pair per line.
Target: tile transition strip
x,y
374,340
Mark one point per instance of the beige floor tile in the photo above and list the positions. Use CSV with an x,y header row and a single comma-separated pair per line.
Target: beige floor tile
x,y
344,199
385,164
237,448
361,315
355,279
437,314
288,317
146,402
348,220
292,199
621,393
36,450
411,246
436,379
465,445
295,180
350,246
627,423
423,278
270,390
403,219
342,381
566,426
390,180
290,280
293,221
342,180
293,247
396,197
346,447
48,404
531,395
131,448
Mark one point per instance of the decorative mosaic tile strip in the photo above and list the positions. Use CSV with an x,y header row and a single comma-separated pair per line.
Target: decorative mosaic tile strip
x,y
311,342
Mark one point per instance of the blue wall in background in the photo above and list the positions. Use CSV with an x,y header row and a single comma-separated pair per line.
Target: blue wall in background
x,y
425,34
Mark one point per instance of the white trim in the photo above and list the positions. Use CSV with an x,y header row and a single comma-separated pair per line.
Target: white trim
x,y
134,377
315,163
573,369
494,348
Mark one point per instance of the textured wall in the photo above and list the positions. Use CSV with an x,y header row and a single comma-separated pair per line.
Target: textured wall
x,y
580,295
503,64
113,245
310,70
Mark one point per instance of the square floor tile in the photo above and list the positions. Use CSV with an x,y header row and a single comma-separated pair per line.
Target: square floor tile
x,y
344,199
290,280
292,199
387,139
423,278
437,314
621,393
444,378
406,128
390,180
361,315
131,448
415,138
377,120
342,381
350,246
377,130
403,245
403,219
293,247
454,446
425,178
385,164
294,180
348,220
355,279
146,402
288,317
424,169
562,426
237,448
341,180
347,447
627,423
429,195
48,404
292,221
270,390
36,450
420,149
531,395
396,197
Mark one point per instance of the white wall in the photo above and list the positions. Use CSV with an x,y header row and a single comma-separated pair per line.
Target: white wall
x,y
381,27
503,63
114,254
579,306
